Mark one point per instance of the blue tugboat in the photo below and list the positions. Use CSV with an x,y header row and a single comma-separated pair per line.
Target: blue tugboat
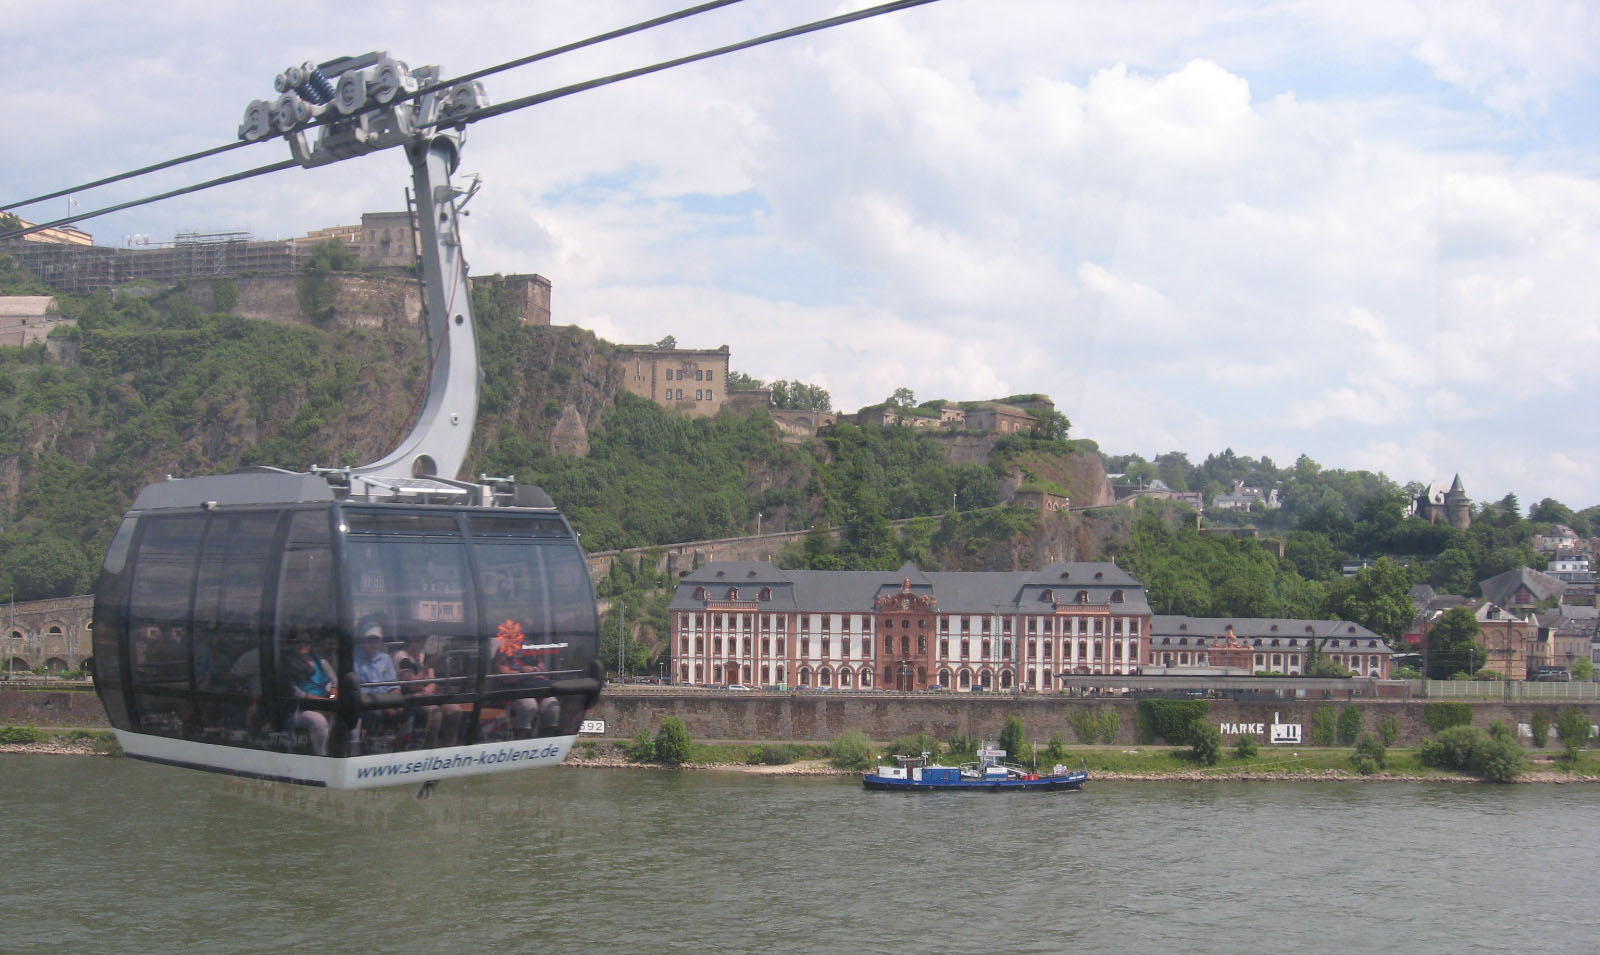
x,y
914,774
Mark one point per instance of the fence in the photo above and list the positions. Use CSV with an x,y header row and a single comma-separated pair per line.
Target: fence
x,y
1508,690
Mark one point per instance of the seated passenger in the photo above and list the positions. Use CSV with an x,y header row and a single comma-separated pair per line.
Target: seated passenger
x,y
375,669
522,671
306,676
441,724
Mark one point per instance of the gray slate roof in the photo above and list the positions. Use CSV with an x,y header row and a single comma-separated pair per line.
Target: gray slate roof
x,y
1166,630
1499,588
856,591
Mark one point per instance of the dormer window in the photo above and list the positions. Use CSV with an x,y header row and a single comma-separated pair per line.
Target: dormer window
x,y
1048,596
1098,575
721,574
1116,596
766,593
699,593
1274,628
733,593
1083,596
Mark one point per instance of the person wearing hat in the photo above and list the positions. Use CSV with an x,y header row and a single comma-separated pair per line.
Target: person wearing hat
x,y
375,669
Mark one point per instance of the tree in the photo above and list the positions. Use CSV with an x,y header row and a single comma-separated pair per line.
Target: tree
x,y
1572,729
852,751
1552,511
1050,425
1583,669
903,398
1324,726
670,342
1013,737
1205,743
673,745
739,381
331,255
1452,643
1349,725
1377,597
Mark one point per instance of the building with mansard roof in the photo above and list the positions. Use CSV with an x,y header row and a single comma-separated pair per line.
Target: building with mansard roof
x,y
1522,589
754,623
1240,646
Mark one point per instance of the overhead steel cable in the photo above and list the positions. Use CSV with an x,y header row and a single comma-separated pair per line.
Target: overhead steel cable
x,y
639,27
509,106
489,112
132,203
166,164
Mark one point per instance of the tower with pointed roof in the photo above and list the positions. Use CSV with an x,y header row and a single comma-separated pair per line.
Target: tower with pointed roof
x,y
1457,506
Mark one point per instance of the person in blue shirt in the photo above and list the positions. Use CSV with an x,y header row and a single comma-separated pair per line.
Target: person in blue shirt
x,y
307,676
375,669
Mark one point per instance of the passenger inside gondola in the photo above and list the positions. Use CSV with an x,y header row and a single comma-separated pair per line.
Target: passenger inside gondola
x,y
431,725
307,677
517,668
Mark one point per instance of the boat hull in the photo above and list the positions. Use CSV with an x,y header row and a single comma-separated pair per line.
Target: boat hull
x,y
1068,782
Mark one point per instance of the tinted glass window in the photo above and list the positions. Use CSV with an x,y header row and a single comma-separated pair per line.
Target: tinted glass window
x,y
233,582
418,678
162,586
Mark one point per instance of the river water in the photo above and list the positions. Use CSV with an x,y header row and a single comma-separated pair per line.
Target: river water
x,y
116,855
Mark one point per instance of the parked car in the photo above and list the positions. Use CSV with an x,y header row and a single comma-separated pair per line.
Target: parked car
x,y
736,686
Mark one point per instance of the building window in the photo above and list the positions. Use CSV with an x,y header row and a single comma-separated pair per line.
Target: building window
x,y
709,373
699,375
708,394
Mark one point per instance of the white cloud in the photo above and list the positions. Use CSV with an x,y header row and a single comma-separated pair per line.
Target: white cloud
x,y
1364,231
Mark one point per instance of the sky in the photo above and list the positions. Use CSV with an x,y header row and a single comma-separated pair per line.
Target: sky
x,y
1364,232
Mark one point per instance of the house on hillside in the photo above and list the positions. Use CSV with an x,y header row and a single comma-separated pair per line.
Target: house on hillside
x,y
1522,589
691,380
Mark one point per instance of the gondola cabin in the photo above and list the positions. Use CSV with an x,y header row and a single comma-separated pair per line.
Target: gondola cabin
x,y
268,625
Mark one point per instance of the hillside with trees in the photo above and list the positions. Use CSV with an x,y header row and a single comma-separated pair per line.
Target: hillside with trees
x,y
150,384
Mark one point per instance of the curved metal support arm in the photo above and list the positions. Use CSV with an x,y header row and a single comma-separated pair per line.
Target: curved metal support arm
x,y
438,442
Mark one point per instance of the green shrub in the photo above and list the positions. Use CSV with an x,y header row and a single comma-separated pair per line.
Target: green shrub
x,y
1171,721
1441,715
1349,725
20,734
1014,738
1539,724
1573,729
1110,726
1085,724
673,744
1055,751
916,746
773,754
1501,761
1389,730
643,747
1454,748
1469,749
1324,726
1371,755
959,749
1205,742
1246,747
851,751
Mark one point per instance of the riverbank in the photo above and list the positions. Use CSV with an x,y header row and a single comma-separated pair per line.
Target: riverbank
x,y
818,767
88,743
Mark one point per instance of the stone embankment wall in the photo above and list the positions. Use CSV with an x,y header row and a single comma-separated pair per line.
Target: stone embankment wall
x,y
812,716
51,708
809,716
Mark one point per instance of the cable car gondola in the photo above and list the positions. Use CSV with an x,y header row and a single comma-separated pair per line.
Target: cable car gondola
x,y
362,626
